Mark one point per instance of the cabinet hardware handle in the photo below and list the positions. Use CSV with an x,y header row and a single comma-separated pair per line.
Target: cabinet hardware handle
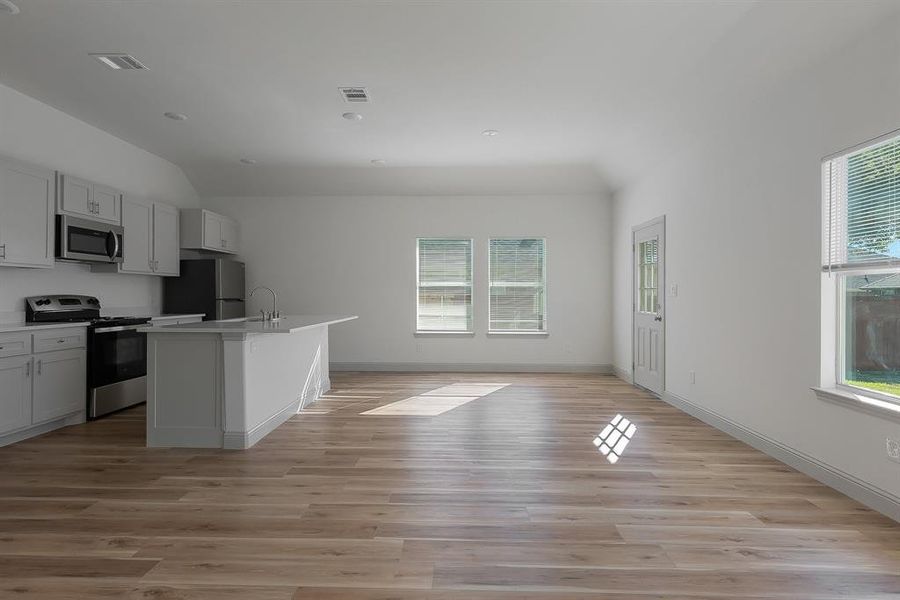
x,y
62,341
39,364
1,347
28,369
2,250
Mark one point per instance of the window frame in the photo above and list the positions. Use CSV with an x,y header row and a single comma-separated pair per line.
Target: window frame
x,y
840,354
546,284
834,301
438,332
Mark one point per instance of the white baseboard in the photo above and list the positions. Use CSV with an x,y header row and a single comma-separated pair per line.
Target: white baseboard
x,y
873,497
241,440
474,367
622,374
32,431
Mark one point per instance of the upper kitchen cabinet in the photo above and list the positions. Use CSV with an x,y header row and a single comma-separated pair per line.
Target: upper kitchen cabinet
x,y
26,215
83,198
151,239
166,257
203,229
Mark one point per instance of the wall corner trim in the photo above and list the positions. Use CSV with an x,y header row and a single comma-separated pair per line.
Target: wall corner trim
x,y
873,497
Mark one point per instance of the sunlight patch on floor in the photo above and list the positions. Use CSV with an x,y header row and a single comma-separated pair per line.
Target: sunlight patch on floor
x,y
437,401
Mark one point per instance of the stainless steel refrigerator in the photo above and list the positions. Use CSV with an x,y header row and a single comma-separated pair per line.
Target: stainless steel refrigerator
x,y
213,286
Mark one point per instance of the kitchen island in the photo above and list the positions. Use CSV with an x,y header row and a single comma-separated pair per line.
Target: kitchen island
x,y
228,384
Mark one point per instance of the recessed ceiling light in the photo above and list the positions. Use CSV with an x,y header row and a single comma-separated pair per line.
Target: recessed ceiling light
x,y
378,162
352,116
8,7
175,116
490,132
248,161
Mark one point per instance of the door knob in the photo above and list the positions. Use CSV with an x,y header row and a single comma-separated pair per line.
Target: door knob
x,y
657,318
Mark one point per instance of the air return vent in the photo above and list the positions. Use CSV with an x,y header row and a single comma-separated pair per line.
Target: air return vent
x,y
120,62
355,94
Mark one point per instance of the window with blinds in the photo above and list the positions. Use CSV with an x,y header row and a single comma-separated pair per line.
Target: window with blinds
x,y
862,208
444,285
861,196
517,281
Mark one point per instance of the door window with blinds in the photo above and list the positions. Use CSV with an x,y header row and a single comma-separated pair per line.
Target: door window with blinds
x,y
517,281
861,196
444,285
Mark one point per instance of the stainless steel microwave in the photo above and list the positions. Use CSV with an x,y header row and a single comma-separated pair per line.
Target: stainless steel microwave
x,y
86,240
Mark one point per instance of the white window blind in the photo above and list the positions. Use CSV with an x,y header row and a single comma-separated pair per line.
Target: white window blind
x,y
517,285
862,208
444,285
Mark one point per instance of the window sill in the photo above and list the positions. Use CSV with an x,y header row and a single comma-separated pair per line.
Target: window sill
x,y
538,334
444,334
872,406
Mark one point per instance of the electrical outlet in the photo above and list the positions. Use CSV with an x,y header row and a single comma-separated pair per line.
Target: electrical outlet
x,y
693,377
673,290
892,447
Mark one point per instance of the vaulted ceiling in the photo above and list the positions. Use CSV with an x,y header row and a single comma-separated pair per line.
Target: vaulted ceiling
x,y
582,93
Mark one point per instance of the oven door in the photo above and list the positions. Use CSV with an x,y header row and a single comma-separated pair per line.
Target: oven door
x,y
116,354
81,239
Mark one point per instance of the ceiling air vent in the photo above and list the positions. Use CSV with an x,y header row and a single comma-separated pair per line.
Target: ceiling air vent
x,y
120,62
355,94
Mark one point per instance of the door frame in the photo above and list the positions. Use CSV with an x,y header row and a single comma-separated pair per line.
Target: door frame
x,y
660,220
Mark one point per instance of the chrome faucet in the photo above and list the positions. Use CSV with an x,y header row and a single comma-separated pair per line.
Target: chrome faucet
x,y
274,315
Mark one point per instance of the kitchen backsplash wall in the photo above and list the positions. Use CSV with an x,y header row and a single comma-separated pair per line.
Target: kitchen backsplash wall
x,y
118,293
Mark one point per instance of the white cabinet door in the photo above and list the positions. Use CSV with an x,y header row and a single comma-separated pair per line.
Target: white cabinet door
x,y
165,240
26,215
229,235
212,231
59,384
107,204
15,393
137,220
75,196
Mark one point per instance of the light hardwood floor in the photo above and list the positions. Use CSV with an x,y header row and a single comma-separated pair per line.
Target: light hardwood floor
x,y
502,498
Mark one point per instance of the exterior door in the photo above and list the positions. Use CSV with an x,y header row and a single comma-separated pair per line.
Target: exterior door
x,y
649,346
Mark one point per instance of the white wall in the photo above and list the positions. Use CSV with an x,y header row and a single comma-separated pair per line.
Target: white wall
x,y
34,132
742,202
357,255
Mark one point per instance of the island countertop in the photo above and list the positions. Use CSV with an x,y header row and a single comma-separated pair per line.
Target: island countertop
x,y
287,324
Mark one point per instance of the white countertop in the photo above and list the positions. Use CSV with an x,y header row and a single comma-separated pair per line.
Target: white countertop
x,y
287,324
6,327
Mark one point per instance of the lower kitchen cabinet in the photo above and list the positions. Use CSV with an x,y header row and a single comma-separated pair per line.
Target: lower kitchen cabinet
x,y
41,390
59,384
15,393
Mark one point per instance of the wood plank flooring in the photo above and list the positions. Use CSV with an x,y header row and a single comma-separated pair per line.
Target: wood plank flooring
x,y
502,498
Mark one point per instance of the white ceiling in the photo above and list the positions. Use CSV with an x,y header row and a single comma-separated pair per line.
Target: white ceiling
x,y
583,93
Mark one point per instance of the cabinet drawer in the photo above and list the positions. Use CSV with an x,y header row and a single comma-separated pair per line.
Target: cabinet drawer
x,y
15,343
60,339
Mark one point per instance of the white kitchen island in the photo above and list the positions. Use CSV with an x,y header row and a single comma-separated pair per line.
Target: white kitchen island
x,y
228,384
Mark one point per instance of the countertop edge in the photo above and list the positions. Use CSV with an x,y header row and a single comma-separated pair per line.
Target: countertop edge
x,y
209,327
13,327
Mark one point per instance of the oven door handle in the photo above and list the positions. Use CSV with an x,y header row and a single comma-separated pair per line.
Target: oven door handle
x,y
119,328
115,251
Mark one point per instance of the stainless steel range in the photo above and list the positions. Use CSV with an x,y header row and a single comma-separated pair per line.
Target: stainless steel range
x,y
116,351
